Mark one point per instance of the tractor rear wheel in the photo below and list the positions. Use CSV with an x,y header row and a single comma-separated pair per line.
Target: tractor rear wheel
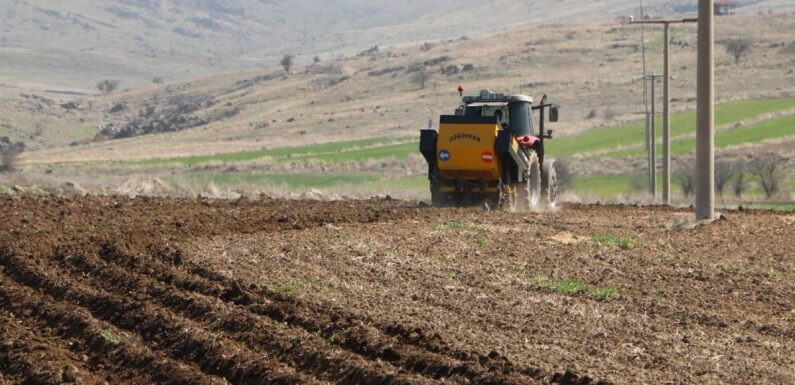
x,y
529,191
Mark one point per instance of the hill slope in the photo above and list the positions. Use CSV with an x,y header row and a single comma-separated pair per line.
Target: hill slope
x,y
71,45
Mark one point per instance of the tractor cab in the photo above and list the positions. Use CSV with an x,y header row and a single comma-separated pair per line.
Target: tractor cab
x,y
515,110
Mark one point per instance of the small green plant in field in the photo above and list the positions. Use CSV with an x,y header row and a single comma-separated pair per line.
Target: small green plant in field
x,y
480,241
328,287
110,336
449,274
603,293
692,261
441,261
731,266
569,286
574,287
605,240
289,287
456,225
625,243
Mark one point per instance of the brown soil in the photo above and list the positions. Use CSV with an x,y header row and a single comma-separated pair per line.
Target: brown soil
x,y
139,291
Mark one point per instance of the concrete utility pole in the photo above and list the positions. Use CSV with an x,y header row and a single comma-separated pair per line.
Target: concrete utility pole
x,y
647,126
653,141
652,135
666,162
705,131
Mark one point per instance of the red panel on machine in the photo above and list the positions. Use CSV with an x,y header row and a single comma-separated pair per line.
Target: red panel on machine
x,y
527,141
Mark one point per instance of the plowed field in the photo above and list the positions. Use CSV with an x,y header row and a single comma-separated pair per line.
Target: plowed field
x,y
140,291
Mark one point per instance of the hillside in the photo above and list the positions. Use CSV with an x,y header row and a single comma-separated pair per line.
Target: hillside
x,y
69,46
588,70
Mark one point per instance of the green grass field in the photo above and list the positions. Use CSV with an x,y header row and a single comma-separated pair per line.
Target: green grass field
x,y
629,135
330,150
398,151
777,128
602,185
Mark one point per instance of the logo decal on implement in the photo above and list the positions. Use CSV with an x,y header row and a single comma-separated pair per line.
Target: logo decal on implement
x,y
487,156
444,155
465,136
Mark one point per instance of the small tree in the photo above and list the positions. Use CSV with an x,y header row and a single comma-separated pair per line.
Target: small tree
x,y
739,48
686,177
287,62
420,77
770,171
740,182
157,80
107,86
8,156
316,59
724,170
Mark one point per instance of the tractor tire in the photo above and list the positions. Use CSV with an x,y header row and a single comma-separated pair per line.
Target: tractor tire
x,y
549,184
529,192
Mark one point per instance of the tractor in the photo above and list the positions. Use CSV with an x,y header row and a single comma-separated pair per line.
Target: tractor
x,y
490,152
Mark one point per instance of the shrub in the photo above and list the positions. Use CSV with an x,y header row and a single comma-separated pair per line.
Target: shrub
x,y
740,182
287,62
738,48
724,170
770,170
107,86
8,154
686,177
420,77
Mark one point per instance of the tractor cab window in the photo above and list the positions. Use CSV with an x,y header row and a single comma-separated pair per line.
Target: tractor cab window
x,y
521,118
489,110
472,111
500,112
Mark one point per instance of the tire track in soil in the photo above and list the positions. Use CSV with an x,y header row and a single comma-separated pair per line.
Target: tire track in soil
x,y
408,348
312,354
176,337
36,359
128,362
